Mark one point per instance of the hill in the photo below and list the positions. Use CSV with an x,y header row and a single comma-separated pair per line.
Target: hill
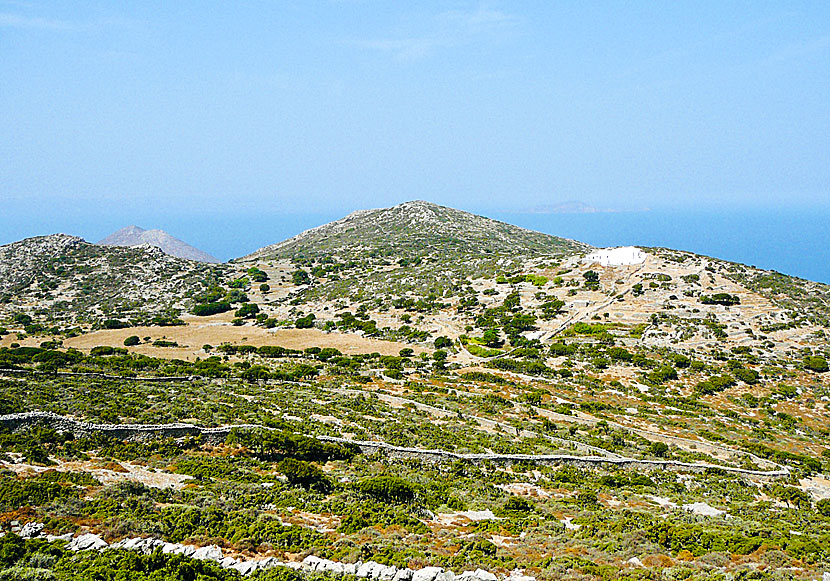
x,y
413,230
64,280
136,236
418,387
416,248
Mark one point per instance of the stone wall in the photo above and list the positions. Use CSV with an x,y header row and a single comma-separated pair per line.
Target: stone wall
x,y
144,432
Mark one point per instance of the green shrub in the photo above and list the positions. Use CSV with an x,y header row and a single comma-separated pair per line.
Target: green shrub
x,y
208,309
132,341
387,488
247,310
720,299
306,322
304,474
816,363
659,449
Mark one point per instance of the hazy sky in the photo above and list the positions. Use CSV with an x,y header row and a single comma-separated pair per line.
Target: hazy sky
x,y
123,109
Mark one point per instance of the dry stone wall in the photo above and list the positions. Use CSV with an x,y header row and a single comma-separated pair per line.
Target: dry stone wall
x,y
144,432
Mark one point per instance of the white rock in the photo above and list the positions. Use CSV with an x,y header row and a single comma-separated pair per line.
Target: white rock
x,y
245,567
227,562
187,550
168,548
366,569
350,568
129,544
311,562
66,537
568,524
31,530
635,561
384,572
427,574
209,553
331,567
825,577
269,563
483,575
403,575
88,542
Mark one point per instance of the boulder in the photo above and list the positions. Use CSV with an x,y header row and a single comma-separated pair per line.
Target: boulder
x,y
31,530
209,553
270,563
171,548
427,574
333,567
403,575
384,572
227,562
245,567
367,569
88,542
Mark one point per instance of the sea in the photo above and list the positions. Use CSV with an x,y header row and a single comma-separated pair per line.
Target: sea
x,y
794,241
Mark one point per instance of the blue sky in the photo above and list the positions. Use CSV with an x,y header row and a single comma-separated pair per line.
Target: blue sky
x,y
122,112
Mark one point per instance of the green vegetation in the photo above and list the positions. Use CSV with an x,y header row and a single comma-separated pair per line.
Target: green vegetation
x,y
720,299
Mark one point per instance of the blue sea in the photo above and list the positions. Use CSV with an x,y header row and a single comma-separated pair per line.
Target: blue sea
x,y
792,241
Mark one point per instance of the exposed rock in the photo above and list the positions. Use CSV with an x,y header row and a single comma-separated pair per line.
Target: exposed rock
x,y
88,542
31,530
245,567
703,509
209,553
427,574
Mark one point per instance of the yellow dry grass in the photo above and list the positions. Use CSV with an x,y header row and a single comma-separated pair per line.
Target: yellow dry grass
x,y
217,330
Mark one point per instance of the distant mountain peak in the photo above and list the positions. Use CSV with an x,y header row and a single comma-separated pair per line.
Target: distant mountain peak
x,y
137,236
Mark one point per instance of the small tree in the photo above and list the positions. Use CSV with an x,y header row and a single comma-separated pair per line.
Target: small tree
x,y
659,449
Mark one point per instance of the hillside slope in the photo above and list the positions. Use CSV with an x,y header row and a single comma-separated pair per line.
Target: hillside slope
x,y
420,229
415,248
63,279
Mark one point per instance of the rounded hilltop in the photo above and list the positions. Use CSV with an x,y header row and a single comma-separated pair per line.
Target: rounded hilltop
x,y
418,227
